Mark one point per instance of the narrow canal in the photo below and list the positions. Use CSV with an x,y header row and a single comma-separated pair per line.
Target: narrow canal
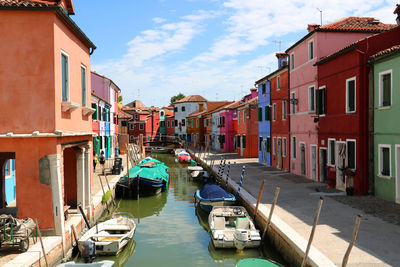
x,y
171,231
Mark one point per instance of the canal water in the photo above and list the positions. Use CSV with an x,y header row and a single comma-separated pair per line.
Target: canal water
x,y
171,231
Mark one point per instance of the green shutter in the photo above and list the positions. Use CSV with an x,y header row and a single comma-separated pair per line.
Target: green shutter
x,y
386,94
64,77
83,84
318,101
94,115
108,146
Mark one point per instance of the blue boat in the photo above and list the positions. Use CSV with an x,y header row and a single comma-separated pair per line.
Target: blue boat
x,y
213,195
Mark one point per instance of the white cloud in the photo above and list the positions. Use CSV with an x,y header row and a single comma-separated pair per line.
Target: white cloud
x,y
158,20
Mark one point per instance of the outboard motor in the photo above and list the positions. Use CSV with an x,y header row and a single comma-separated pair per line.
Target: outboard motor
x,y
240,238
88,251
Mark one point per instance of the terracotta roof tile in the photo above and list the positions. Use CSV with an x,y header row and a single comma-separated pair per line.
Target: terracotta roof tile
x,y
369,24
250,102
393,49
26,3
122,114
191,98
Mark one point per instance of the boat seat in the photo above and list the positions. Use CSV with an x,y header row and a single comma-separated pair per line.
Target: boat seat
x,y
219,223
242,223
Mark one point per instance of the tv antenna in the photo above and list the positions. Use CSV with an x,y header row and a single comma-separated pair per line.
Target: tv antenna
x,y
320,12
278,42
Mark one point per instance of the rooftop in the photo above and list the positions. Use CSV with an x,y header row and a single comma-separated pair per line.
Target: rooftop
x,y
191,98
386,52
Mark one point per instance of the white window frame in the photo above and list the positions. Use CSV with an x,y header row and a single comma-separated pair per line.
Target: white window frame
x,y
284,115
69,76
284,144
294,147
86,87
141,126
347,95
329,152
380,146
278,83
308,46
292,104
244,116
355,153
131,126
310,108
274,145
292,61
274,112
131,138
380,104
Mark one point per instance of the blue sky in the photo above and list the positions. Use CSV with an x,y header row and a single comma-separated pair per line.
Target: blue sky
x,y
155,49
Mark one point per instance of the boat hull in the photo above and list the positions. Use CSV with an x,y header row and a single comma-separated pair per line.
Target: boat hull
x,y
208,204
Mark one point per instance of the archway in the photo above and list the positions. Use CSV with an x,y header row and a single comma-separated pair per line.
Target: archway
x,y
7,183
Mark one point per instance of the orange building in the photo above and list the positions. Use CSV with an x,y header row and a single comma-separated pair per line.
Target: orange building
x,y
45,122
247,128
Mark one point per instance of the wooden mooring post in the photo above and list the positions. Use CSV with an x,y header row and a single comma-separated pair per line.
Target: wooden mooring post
x,y
259,198
41,243
271,211
353,239
321,200
227,174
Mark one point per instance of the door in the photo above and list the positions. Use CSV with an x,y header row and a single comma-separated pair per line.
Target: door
x,y
302,159
242,144
398,173
313,162
340,163
323,172
279,163
264,151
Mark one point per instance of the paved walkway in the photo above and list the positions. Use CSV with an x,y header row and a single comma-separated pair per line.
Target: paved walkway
x,y
378,241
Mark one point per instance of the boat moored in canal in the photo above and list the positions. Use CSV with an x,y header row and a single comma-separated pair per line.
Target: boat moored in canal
x,y
110,236
104,263
256,262
212,195
231,227
150,177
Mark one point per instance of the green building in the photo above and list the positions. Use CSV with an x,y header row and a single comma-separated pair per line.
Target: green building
x,y
386,67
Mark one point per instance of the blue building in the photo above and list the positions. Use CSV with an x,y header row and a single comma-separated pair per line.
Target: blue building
x,y
264,121
10,181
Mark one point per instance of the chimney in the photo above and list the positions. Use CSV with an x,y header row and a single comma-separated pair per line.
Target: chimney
x,y
282,59
312,27
397,11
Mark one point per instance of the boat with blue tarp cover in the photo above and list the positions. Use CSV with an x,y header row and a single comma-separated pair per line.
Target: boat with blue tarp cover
x,y
213,195
150,176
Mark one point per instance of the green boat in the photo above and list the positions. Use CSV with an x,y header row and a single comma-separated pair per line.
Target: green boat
x,y
253,262
150,176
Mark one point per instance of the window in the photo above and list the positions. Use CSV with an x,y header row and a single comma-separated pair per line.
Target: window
x,y
351,95
238,117
310,50
384,161
260,143
292,103
65,77
244,116
131,138
385,88
173,123
183,122
131,126
284,147
94,115
264,88
274,146
189,122
278,82
260,114
167,124
175,109
183,108
292,61
311,98
294,147
267,113
284,110
321,101
197,123
162,123
244,141
237,141
141,126
123,123
274,112
223,121
206,122
351,154
136,116
268,144
176,123
83,85
331,152
161,113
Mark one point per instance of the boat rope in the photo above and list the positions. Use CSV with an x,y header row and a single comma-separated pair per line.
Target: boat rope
x,y
241,181
227,174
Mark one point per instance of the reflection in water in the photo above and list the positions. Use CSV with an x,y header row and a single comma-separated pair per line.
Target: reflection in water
x,y
123,256
168,232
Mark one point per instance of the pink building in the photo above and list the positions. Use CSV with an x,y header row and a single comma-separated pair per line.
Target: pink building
x,y
228,115
319,42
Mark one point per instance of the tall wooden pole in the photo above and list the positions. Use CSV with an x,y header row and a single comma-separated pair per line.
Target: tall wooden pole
x,y
271,211
353,239
259,198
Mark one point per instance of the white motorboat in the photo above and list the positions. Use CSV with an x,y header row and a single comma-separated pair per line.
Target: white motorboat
x,y
199,174
194,168
104,263
110,236
231,227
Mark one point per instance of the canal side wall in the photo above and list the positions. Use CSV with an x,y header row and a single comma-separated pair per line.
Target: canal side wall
x,y
284,238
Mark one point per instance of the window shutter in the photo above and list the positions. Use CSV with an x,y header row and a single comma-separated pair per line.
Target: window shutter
x,y
323,101
318,101
269,144
259,114
386,90
94,115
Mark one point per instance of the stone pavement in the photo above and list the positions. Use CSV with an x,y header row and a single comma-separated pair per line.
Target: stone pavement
x,y
378,241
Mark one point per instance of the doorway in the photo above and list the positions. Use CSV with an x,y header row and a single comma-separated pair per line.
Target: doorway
x,y
302,159
340,163
323,172
8,201
70,179
279,163
313,162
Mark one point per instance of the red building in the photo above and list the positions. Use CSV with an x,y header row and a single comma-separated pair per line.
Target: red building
x,y
279,117
170,125
247,128
342,103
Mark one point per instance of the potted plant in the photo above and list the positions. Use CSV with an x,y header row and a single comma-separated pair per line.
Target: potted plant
x,y
348,176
